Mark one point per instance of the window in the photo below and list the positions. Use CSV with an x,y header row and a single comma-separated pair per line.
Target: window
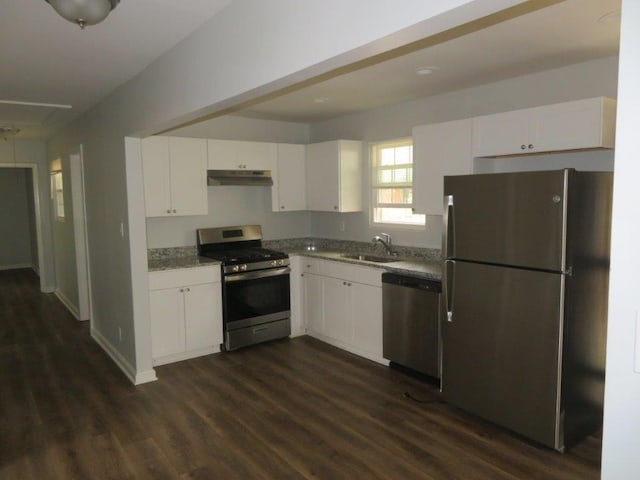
x,y
57,190
393,183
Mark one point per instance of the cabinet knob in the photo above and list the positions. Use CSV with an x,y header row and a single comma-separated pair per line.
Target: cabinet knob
x,y
188,289
281,207
169,211
335,207
348,284
182,290
344,283
174,210
523,147
530,146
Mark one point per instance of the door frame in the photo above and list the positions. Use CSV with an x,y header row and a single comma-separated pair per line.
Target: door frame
x,y
81,243
36,202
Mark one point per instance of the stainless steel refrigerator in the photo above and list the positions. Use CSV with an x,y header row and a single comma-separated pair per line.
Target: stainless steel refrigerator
x,y
525,285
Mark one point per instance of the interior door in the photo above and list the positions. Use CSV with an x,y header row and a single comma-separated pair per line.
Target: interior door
x,y
501,347
509,218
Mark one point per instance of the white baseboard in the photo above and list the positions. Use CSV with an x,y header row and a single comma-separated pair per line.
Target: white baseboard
x,y
177,357
131,373
67,303
16,266
48,289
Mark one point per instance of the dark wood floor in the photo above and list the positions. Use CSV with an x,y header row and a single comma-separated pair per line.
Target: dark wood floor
x,y
289,409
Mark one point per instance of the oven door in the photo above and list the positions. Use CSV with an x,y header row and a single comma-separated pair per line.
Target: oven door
x,y
253,298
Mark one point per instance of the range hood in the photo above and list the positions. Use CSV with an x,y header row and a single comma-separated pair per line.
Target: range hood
x,y
257,178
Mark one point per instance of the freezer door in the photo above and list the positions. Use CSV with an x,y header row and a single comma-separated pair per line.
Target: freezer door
x,y
501,347
508,218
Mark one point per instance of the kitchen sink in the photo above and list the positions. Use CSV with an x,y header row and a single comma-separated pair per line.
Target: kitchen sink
x,y
368,258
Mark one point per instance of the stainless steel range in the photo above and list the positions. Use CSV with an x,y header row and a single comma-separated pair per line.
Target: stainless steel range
x,y
255,285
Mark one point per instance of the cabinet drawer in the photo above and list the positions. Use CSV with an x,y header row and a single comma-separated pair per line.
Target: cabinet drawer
x,y
183,276
348,272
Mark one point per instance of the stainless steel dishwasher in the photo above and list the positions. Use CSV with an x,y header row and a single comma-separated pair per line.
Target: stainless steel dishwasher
x,y
411,308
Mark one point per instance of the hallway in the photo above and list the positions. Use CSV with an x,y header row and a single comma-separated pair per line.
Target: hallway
x,y
289,409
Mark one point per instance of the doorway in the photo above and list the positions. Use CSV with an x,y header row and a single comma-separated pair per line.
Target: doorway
x,y
32,168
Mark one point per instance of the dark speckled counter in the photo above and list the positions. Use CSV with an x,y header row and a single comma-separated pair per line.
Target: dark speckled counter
x,y
172,263
429,269
420,262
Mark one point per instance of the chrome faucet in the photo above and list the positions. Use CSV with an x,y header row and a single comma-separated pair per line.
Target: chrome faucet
x,y
385,240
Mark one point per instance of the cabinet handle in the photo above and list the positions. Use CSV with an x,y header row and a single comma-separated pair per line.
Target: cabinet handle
x,y
174,210
168,211
302,274
344,283
523,147
188,289
530,146
348,284
308,266
182,290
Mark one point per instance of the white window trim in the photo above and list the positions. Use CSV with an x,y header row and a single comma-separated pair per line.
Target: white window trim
x,y
372,191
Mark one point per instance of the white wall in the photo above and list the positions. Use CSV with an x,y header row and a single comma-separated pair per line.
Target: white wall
x,y
584,80
33,152
620,459
229,205
248,49
15,232
64,250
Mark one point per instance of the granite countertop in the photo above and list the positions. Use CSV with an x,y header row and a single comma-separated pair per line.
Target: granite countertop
x,y
429,269
419,262
172,263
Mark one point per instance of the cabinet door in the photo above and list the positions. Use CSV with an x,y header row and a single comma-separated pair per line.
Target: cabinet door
x,y
501,134
337,311
166,309
157,176
323,182
256,155
297,297
314,303
366,313
289,179
222,154
350,176
439,149
188,175
203,315
567,126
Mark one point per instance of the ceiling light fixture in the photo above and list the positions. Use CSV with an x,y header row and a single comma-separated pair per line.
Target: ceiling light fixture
x,y
425,70
8,130
320,100
83,12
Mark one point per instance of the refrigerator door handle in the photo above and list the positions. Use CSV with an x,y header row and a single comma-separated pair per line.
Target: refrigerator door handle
x,y
447,287
448,231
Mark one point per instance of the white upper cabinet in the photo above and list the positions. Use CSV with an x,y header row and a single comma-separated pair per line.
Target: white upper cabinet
x,y
439,149
334,176
289,191
175,181
576,125
238,155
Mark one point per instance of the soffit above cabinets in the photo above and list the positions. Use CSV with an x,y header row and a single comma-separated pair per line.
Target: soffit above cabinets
x,y
564,33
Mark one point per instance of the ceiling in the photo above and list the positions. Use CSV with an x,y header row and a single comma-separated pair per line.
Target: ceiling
x,y
46,59
562,34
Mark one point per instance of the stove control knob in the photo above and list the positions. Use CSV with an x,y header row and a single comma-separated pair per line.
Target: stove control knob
x,y
280,262
243,267
235,268
274,263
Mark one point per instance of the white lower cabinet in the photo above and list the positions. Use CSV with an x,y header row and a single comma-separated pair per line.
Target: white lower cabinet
x,y
185,307
343,306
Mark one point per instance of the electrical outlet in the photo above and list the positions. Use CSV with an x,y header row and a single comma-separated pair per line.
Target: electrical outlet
x,y
119,333
122,229
342,225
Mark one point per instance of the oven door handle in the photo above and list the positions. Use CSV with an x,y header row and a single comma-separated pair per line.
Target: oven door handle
x,y
236,277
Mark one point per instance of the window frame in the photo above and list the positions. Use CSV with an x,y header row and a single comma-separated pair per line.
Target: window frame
x,y
374,149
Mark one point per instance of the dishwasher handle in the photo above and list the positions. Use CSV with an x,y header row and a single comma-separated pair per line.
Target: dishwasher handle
x,y
412,282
